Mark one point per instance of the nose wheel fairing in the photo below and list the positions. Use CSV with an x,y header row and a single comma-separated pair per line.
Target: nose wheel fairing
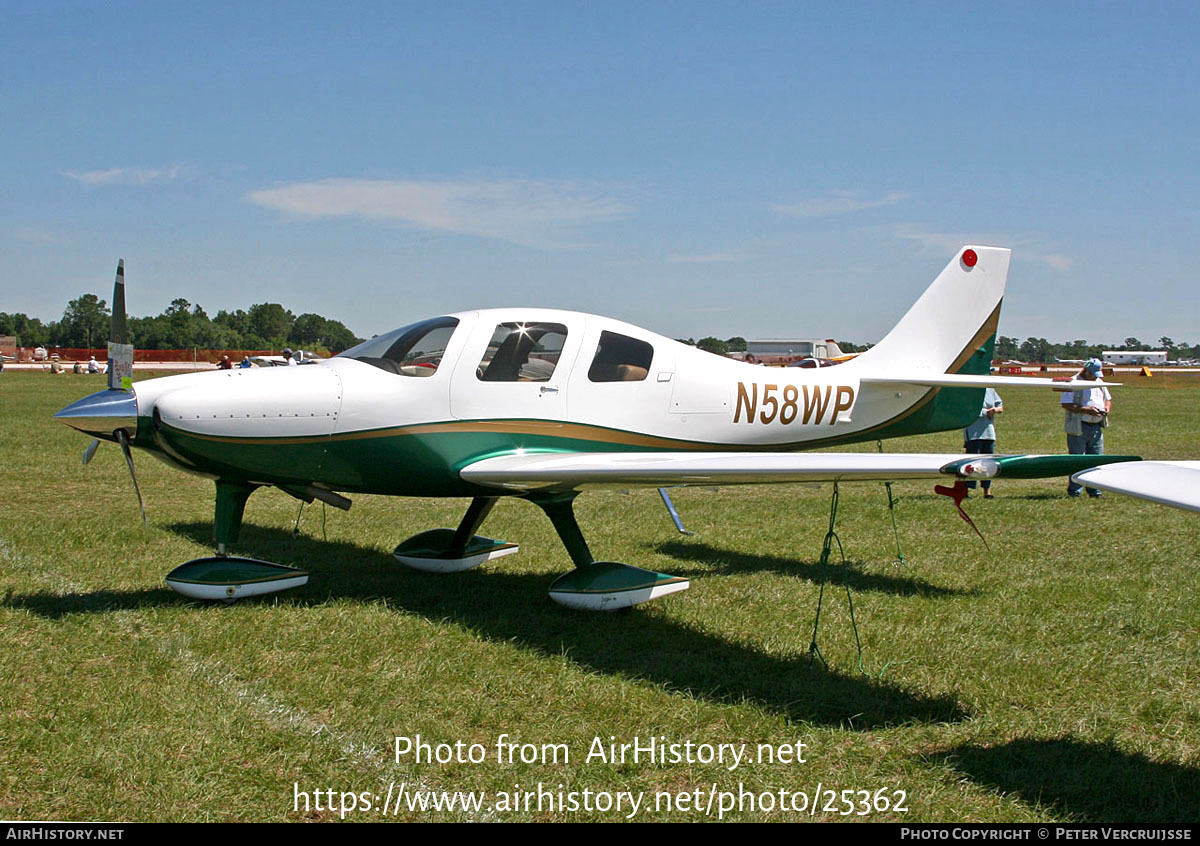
x,y
227,578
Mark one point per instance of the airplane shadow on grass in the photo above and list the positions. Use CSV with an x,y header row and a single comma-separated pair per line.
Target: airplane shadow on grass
x,y
514,608
731,561
1089,782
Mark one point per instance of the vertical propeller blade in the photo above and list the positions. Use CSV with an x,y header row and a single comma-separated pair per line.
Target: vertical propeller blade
x,y
120,351
123,438
119,333
89,452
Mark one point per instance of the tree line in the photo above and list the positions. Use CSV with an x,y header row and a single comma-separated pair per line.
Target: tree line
x,y
1031,349
182,325
1041,350
265,326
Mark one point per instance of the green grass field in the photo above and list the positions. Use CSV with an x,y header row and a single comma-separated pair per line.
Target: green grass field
x,y
1054,677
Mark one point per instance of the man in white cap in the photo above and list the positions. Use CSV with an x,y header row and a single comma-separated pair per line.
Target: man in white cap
x,y
1087,413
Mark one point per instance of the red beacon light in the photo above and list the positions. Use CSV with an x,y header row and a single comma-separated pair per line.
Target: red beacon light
x,y
969,258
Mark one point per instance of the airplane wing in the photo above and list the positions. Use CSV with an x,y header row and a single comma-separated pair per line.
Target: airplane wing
x,y
1174,483
575,471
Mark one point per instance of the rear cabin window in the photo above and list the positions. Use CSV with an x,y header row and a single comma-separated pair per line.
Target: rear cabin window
x,y
620,358
414,350
522,352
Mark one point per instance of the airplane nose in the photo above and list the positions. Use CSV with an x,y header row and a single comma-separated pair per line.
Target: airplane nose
x,y
102,414
272,402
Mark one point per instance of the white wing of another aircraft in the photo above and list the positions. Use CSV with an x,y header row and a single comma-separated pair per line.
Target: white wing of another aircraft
x,y
1175,483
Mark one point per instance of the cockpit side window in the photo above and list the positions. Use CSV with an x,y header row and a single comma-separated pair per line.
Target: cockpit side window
x,y
414,350
620,358
522,352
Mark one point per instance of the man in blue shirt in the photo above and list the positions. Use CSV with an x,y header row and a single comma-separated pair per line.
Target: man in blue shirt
x,y
980,437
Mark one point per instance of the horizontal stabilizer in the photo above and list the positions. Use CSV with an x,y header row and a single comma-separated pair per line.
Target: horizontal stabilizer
x,y
956,380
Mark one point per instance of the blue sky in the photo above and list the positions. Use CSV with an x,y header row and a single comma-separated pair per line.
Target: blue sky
x,y
757,169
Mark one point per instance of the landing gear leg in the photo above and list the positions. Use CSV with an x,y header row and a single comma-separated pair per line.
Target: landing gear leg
x,y
231,505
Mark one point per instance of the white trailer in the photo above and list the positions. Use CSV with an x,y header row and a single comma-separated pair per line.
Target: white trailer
x,y
1141,358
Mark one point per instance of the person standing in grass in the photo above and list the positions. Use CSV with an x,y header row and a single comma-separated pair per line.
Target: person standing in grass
x,y
980,437
1086,416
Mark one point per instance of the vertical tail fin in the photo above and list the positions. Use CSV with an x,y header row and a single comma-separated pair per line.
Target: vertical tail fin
x,y
952,327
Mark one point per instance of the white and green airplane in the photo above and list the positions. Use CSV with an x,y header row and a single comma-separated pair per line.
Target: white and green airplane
x,y
543,404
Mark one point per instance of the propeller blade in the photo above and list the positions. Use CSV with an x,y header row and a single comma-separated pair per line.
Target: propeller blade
x,y
118,333
90,451
123,439
120,351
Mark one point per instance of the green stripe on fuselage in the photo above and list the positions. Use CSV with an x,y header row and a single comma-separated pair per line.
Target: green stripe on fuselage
x,y
395,461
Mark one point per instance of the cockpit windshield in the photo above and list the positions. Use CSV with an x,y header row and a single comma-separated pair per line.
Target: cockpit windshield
x,y
413,350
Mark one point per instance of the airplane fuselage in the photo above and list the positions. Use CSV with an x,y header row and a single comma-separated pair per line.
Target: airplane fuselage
x,y
402,414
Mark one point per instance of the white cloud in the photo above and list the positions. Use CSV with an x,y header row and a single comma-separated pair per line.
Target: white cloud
x,y
524,212
36,235
126,175
1057,261
948,242
945,243
834,203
